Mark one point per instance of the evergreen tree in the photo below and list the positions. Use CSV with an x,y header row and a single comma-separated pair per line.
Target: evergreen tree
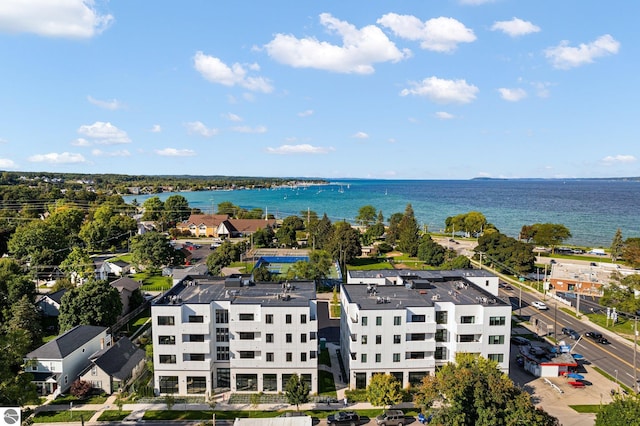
x,y
617,245
408,237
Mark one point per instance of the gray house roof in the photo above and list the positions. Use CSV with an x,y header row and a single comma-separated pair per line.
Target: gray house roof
x,y
65,344
126,283
119,359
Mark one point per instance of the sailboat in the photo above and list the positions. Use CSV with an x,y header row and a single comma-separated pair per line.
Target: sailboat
x,y
385,192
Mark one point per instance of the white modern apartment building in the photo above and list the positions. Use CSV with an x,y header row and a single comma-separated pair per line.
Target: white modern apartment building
x,y
213,334
408,323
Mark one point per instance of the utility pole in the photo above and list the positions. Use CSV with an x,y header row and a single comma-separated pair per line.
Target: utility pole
x,y
635,347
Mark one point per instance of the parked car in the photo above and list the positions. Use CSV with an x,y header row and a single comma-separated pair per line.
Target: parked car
x,y
593,335
571,333
519,340
343,418
541,306
391,418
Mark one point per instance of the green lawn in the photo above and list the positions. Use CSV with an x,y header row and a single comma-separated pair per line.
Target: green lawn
x,y
153,282
586,408
113,415
254,414
326,385
63,416
623,326
94,399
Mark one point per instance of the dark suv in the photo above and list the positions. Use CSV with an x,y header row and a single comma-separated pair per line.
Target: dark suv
x,y
571,333
391,418
343,418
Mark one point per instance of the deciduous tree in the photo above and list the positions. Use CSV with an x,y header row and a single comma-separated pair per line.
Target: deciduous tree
x,y
152,250
384,390
94,303
624,410
297,391
366,216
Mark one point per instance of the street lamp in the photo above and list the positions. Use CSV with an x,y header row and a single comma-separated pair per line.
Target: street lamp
x,y
616,371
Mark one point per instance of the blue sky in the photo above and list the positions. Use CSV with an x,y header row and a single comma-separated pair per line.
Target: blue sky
x,y
404,89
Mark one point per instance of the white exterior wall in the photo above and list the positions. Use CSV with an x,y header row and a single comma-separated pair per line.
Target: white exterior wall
x,y
258,365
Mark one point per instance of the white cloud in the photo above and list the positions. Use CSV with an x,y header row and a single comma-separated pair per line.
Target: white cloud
x,y
542,89
443,91
516,27
437,34
232,117
359,51
53,18
512,95
122,153
104,133
198,128
360,135
57,158
247,129
6,163
216,71
617,159
306,113
111,105
81,142
173,152
299,149
156,128
442,115
564,56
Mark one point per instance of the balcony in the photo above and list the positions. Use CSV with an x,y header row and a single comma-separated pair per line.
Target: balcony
x,y
469,328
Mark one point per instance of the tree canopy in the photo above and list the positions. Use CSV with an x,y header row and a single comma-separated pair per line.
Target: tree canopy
x,y
297,391
506,254
384,390
408,233
624,410
545,234
152,250
94,303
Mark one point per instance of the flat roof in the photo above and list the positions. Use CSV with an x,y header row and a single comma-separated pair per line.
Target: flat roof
x,y
425,293
428,274
205,289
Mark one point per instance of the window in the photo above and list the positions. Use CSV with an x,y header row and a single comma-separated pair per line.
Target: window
x,y
496,340
418,318
396,339
466,338
442,317
470,319
397,320
496,357
313,354
195,338
247,382
287,319
441,353
415,377
166,320
378,320
378,339
303,338
269,356
193,357
196,318
416,355
396,357
222,316
167,359
303,318
269,382
166,340
289,338
222,353
441,335
289,356
196,384
222,334
247,354
363,339
268,318
363,358
303,356
246,335
378,357
417,336
168,384
497,321
223,377
245,317
269,337
364,321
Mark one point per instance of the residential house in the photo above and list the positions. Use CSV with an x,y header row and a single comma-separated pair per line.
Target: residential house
x,y
412,324
215,333
202,225
49,304
113,367
233,228
58,363
126,286
113,268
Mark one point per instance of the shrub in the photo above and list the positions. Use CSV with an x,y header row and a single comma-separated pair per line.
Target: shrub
x,y
81,389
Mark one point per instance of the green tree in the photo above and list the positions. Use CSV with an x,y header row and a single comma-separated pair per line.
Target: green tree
x,y
549,234
617,246
263,237
153,209
430,252
297,391
458,262
107,228
14,285
622,295
631,252
286,233
320,233
152,250
393,232
473,392
16,387
344,244
222,257
506,254
23,315
176,209
261,274
408,233
78,265
366,216
384,390
624,410
94,303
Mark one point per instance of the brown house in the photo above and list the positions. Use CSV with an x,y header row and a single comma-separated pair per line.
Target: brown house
x,y
242,227
202,225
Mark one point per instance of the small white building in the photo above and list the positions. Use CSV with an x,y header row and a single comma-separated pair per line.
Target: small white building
x,y
413,326
214,334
